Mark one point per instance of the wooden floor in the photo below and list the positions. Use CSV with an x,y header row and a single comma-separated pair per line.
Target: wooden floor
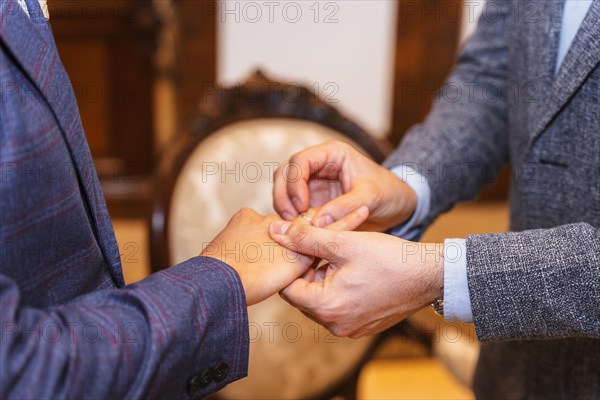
x,y
411,379
392,374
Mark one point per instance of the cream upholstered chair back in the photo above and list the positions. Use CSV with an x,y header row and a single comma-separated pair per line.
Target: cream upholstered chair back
x,y
225,162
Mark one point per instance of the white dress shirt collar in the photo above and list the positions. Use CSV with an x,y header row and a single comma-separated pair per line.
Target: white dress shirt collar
x,y
43,5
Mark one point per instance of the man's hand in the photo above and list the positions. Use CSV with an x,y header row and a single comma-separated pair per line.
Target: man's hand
x,y
339,179
372,281
264,266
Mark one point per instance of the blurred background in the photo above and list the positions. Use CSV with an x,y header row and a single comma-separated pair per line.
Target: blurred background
x,y
155,78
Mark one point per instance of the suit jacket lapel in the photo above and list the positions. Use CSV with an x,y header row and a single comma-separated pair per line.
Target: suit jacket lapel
x,y
37,17
36,52
39,59
580,61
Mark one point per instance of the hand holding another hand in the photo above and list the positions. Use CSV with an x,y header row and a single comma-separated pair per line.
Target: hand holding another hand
x,y
371,283
264,266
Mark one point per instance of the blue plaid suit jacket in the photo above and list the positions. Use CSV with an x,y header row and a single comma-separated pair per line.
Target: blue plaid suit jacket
x,y
70,328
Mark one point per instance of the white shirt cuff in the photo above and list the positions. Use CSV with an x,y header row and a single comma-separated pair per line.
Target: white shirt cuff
x,y
457,300
411,229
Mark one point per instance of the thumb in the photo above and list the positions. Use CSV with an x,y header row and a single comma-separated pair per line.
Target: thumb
x,y
341,206
309,240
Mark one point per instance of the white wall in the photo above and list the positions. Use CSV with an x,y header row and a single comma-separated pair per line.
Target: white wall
x,y
346,50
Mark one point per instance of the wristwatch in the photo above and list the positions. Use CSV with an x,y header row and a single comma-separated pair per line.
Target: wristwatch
x,y
438,306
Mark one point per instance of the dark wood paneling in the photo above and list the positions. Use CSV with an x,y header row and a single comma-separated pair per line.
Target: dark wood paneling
x,y
111,69
198,53
426,44
107,49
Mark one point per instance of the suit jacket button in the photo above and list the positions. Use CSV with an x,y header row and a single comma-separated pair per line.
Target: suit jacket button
x,y
221,372
200,381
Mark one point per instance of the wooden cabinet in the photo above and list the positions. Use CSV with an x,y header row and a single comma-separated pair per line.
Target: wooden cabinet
x,y
107,49
426,44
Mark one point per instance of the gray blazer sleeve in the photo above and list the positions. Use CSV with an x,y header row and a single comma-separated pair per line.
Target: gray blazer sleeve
x,y
462,145
535,284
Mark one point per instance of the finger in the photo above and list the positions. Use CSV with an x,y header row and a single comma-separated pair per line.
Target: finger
x,y
307,297
306,218
309,240
281,201
350,222
293,256
302,294
309,275
341,206
321,191
314,160
291,253
321,273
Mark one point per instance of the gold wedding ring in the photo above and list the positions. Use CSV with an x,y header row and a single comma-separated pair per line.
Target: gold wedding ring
x,y
306,217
